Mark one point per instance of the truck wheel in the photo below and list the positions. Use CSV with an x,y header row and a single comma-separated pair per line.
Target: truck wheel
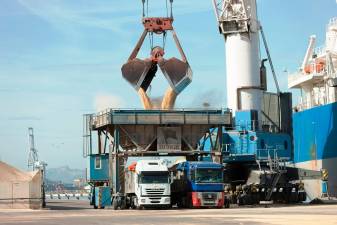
x,y
134,202
123,204
189,203
227,205
180,204
239,201
185,202
302,197
115,204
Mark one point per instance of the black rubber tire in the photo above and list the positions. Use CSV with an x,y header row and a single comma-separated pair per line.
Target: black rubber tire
x,y
134,204
180,204
115,204
123,204
302,197
226,204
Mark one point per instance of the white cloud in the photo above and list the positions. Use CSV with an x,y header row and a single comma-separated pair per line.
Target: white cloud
x,y
111,15
106,101
66,14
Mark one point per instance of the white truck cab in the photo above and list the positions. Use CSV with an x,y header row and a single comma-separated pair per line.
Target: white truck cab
x,y
148,184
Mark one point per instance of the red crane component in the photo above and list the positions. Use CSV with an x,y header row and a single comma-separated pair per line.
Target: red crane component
x,y
158,25
140,72
157,54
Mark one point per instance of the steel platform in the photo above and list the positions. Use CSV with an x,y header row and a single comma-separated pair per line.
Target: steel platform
x,y
160,117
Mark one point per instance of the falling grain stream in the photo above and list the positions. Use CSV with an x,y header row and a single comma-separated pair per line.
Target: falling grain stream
x,y
167,103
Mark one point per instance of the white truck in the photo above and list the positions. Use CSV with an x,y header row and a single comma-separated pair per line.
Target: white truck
x,y
147,184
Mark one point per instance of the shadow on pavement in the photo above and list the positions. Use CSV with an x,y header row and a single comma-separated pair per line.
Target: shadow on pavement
x,y
68,205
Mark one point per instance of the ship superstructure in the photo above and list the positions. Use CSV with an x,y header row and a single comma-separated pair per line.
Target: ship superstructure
x,y
317,77
315,115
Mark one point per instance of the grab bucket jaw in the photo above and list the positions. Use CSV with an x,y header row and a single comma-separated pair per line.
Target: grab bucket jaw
x,y
177,73
139,73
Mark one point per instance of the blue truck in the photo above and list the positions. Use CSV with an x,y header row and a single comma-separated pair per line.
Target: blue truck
x,y
197,185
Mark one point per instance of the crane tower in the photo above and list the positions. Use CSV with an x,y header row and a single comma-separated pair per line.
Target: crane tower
x,y
237,20
33,157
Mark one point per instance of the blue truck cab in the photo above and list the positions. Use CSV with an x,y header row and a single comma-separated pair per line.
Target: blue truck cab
x,y
197,184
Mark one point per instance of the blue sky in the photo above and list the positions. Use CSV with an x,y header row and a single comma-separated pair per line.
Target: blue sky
x,y
60,59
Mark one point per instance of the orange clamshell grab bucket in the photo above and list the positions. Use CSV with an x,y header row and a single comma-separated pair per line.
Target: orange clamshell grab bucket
x,y
140,72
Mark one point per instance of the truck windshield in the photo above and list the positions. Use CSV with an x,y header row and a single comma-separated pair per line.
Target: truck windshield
x,y
208,176
154,178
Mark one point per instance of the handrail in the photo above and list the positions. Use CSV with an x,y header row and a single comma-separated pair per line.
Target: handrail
x,y
219,116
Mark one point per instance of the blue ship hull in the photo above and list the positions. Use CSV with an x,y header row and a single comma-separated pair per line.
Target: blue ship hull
x,y
315,144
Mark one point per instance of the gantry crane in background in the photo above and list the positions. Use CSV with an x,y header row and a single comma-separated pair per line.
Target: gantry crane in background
x,y
33,156
35,164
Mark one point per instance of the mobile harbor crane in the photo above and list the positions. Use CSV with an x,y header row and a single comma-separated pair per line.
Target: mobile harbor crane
x,y
198,158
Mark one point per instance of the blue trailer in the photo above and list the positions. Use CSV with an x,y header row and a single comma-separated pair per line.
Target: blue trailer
x,y
197,184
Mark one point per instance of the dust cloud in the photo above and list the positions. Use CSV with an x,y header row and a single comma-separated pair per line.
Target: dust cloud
x,y
106,101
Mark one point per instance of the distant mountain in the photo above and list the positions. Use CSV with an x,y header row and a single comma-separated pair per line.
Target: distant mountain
x,y
64,174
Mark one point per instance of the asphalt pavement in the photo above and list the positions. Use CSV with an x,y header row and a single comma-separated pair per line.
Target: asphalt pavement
x,y
79,212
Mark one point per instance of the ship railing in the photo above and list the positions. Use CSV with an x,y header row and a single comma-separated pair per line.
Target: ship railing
x,y
216,116
87,141
255,125
261,153
303,105
295,76
234,149
264,154
271,155
299,76
320,50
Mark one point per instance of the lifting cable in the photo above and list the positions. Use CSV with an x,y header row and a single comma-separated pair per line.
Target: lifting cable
x,y
171,7
143,1
164,40
270,60
146,14
151,40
